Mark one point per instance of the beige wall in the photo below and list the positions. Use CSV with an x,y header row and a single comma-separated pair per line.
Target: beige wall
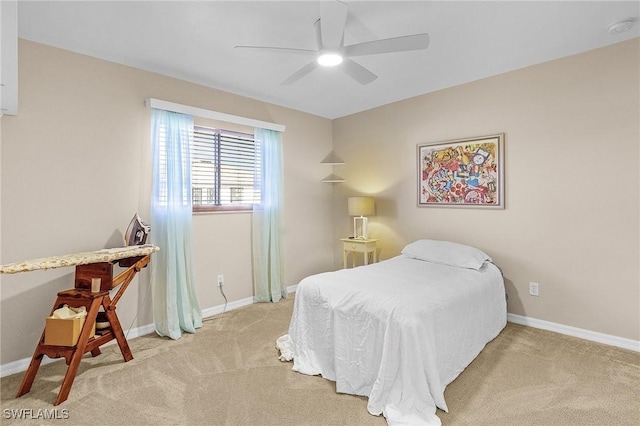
x,y
75,168
571,221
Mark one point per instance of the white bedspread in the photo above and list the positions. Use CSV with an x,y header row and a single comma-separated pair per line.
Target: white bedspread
x,y
397,331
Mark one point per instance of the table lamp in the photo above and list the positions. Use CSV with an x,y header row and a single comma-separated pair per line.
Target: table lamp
x,y
359,207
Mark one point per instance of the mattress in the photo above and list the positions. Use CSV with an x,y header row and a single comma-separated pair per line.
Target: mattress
x,y
398,331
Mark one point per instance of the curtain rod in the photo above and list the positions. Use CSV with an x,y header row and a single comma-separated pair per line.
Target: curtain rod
x,y
205,113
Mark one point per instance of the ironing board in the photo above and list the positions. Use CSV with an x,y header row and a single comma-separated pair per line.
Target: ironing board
x,y
89,265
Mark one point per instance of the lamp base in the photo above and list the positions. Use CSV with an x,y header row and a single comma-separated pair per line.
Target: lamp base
x,y
360,232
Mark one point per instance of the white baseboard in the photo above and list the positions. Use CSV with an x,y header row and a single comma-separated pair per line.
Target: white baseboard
x,y
581,333
22,364
216,310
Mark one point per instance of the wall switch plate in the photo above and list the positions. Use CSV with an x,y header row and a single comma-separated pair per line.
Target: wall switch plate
x,y
220,280
533,289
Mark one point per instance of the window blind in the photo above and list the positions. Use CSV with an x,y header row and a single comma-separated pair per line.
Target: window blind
x,y
225,170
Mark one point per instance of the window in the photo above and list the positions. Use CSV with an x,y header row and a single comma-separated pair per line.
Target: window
x,y
225,170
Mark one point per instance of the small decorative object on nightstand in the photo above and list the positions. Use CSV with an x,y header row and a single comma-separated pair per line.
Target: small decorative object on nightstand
x,y
353,245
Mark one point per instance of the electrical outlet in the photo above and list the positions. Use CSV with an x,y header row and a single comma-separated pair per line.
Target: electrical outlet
x,y
220,280
534,289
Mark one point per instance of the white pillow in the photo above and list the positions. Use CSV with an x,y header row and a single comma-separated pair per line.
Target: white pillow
x,y
446,253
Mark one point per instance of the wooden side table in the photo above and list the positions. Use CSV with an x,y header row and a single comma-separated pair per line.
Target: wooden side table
x,y
355,245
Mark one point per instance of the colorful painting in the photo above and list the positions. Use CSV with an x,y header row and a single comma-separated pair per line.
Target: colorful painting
x,y
462,173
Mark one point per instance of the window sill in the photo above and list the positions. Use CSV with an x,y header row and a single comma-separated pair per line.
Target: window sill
x,y
223,209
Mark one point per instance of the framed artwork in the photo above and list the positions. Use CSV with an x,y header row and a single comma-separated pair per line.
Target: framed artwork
x,y
462,173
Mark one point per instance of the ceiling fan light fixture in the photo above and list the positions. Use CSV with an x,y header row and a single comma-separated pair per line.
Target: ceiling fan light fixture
x,y
329,59
331,51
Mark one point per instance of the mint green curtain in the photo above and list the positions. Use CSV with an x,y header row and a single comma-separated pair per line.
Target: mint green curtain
x,y
175,304
268,267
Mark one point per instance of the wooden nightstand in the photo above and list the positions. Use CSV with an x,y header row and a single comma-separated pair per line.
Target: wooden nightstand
x,y
352,245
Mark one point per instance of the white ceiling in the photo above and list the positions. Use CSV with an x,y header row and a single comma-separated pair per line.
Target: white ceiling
x,y
195,41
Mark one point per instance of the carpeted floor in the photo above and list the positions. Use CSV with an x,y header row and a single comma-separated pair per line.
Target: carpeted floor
x,y
228,373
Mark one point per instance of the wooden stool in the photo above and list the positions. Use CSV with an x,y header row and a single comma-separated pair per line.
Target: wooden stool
x,y
81,295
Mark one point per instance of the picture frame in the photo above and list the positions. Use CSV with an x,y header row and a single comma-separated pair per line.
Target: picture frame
x,y
463,173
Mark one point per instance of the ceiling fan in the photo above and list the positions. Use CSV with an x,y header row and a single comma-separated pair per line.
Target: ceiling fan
x,y
332,51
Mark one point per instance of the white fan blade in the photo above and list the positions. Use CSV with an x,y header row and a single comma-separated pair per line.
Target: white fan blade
x,y
301,73
279,49
389,45
357,72
318,29
333,17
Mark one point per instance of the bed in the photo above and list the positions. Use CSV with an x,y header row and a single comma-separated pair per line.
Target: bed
x,y
398,331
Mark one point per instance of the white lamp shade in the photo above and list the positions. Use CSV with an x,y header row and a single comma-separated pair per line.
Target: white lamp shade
x,y
361,206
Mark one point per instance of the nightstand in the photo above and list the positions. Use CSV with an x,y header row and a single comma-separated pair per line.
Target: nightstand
x,y
353,245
